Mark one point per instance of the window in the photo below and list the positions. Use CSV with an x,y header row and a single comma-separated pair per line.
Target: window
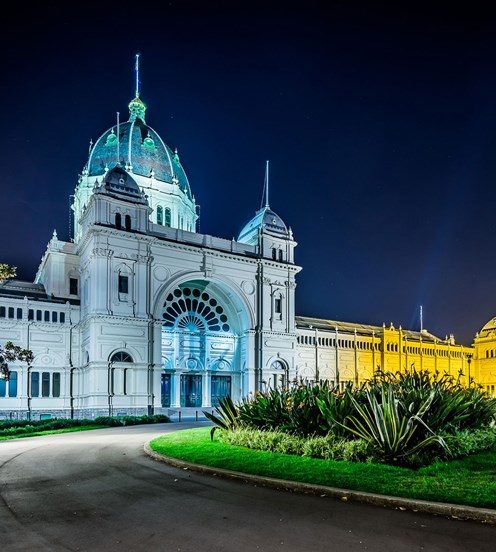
x,y
278,305
56,384
19,314
280,254
11,312
39,315
128,223
45,384
2,312
160,215
13,384
168,217
47,316
274,254
73,286
62,318
123,284
30,314
3,387
121,356
54,316
35,384
118,221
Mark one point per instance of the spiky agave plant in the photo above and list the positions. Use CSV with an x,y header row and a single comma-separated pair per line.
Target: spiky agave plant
x,y
228,415
383,422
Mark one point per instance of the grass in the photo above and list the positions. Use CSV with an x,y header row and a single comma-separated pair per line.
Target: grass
x,y
50,432
468,481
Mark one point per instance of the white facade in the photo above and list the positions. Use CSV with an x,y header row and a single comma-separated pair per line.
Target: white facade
x,y
141,314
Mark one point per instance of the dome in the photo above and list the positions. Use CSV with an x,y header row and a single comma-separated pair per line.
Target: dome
x,y
141,151
119,182
488,328
265,221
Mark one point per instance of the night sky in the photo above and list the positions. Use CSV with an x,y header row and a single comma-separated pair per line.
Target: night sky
x,y
379,122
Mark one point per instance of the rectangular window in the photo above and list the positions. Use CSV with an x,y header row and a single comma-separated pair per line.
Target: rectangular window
x,y
13,384
2,312
19,314
62,317
278,305
47,316
54,316
3,387
39,315
73,286
123,284
280,254
30,314
35,384
56,384
45,384
11,312
274,254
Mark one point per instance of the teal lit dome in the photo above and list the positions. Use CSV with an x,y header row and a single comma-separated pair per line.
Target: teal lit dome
x,y
141,151
265,220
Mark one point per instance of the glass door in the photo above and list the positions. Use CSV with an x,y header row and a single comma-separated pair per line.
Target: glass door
x,y
221,387
191,390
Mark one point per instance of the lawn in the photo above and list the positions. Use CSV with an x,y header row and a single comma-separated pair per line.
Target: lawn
x,y
468,481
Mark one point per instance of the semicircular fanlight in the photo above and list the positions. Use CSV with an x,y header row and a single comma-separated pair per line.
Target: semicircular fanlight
x,y
192,310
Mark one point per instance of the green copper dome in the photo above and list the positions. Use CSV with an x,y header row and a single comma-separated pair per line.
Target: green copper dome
x,y
140,149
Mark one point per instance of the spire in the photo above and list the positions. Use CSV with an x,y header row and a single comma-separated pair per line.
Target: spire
x,y
136,69
118,136
267,185
136,107
265,193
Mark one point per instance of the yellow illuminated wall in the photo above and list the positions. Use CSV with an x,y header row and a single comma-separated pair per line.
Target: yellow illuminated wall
x,y
340,352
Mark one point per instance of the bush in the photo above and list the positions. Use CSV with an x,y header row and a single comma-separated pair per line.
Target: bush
x,y
326,448
20,427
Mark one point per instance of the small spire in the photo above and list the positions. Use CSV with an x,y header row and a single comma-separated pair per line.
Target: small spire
x,y
136,69
91,146
54,235
118,151
267,185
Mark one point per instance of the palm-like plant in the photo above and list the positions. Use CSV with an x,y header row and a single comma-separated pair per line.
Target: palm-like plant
x,y
228,415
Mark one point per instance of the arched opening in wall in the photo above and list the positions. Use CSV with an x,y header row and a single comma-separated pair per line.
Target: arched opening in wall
x,y
160,215
127,220
119,373
168,217
202,335
277,377
118,221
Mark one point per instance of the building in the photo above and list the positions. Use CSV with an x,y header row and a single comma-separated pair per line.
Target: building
x,y
140,313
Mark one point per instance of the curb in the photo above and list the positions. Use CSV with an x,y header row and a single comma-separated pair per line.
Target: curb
x,y
456,511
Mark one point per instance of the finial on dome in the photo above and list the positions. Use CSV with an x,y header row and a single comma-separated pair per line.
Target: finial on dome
x,y
54,235
136,68
136,107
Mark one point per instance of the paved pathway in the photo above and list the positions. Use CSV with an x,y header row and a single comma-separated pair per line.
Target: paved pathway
x,y
97,490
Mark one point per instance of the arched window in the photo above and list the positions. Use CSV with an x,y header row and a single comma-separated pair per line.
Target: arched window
x,y
160,215
280,255
119,375
118,221
274,253
168,217
128,222
121,356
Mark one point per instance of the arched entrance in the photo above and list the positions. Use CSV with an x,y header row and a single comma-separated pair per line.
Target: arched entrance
x,y
202,336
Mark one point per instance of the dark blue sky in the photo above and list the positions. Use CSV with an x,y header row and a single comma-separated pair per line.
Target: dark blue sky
x,y
379,123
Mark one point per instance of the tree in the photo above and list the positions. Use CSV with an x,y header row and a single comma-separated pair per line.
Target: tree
x,y
7,271
12,353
